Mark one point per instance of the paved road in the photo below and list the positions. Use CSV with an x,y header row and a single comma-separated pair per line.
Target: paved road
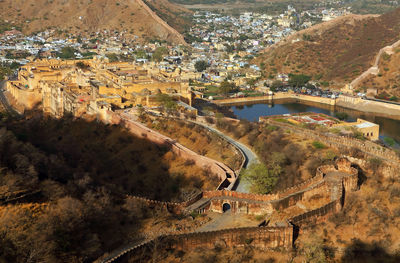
x,y
250,156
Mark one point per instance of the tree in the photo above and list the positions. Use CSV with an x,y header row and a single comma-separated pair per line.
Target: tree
x,y
159,53
82,65
262,179
67,53
112,57
226,87
201,65
298,80
166,102
276,85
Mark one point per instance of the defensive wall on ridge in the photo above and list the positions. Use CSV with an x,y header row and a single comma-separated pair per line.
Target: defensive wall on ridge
x,y
227,176
335,141
268,237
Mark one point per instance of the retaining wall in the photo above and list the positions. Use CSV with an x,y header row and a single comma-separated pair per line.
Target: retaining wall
x,y
277,96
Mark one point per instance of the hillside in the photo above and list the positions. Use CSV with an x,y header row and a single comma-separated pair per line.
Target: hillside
x,y
85,16
387,80
66,198
336,51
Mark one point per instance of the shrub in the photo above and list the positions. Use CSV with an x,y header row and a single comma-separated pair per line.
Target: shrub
x,y
374,164
318,145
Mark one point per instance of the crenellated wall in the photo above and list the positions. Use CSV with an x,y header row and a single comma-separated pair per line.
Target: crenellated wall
x,y
224,173
368,147
261,237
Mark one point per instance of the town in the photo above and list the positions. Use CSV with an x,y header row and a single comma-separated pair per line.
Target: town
x,y
116,147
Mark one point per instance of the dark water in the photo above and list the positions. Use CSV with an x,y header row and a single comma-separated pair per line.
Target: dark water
x,y
388,127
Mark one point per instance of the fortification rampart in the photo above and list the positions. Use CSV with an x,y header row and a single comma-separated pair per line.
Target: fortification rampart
x,y
335,141
227,176
261,237
317,215
374,69
336,179
27,98
234,194
174,207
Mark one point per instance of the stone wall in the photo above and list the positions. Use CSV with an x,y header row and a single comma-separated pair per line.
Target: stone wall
x,y
261,237
234,194
335,141
317,215
377,107
224,173
27,98
173,207
278,96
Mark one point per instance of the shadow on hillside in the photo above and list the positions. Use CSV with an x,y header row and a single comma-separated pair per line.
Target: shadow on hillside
x,y
109,155
360,252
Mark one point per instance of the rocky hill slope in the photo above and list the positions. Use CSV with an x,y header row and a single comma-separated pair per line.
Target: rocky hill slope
x,y
337,51
134,17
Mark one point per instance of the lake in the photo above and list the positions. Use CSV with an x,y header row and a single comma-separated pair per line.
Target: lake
x,y
388,127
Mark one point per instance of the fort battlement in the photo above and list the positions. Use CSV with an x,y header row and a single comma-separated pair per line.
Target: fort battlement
x,y
227,176
333,179
335,141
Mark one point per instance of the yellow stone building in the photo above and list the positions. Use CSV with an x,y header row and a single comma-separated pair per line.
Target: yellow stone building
x,y
91,86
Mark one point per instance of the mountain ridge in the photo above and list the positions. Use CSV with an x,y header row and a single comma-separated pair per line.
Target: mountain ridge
x,y
87,16
334,52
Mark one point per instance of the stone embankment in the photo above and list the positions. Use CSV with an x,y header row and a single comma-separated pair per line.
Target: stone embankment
x,y
277,96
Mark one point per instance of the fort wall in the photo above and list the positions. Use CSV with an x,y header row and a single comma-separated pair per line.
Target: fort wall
x,y
27,98
261,237
317,215
335,141
224,173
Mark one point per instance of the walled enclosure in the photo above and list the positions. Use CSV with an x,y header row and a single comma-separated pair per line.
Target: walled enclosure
x,y
337,179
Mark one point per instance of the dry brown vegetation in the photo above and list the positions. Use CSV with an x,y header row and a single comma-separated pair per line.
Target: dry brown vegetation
x,y
296,156
366,230
199,140
337,51
64,186
86,16
387,82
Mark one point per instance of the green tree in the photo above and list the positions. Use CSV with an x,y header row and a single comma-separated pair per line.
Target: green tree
x,y
159,53
226,87
201,65
67,53
112,57
298,80
167,102
261,178
276,84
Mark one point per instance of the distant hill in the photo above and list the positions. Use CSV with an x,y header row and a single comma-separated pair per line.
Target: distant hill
x,y
336,51
134,16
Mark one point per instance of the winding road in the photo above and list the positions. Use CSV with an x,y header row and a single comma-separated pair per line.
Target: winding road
x,y
250,156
